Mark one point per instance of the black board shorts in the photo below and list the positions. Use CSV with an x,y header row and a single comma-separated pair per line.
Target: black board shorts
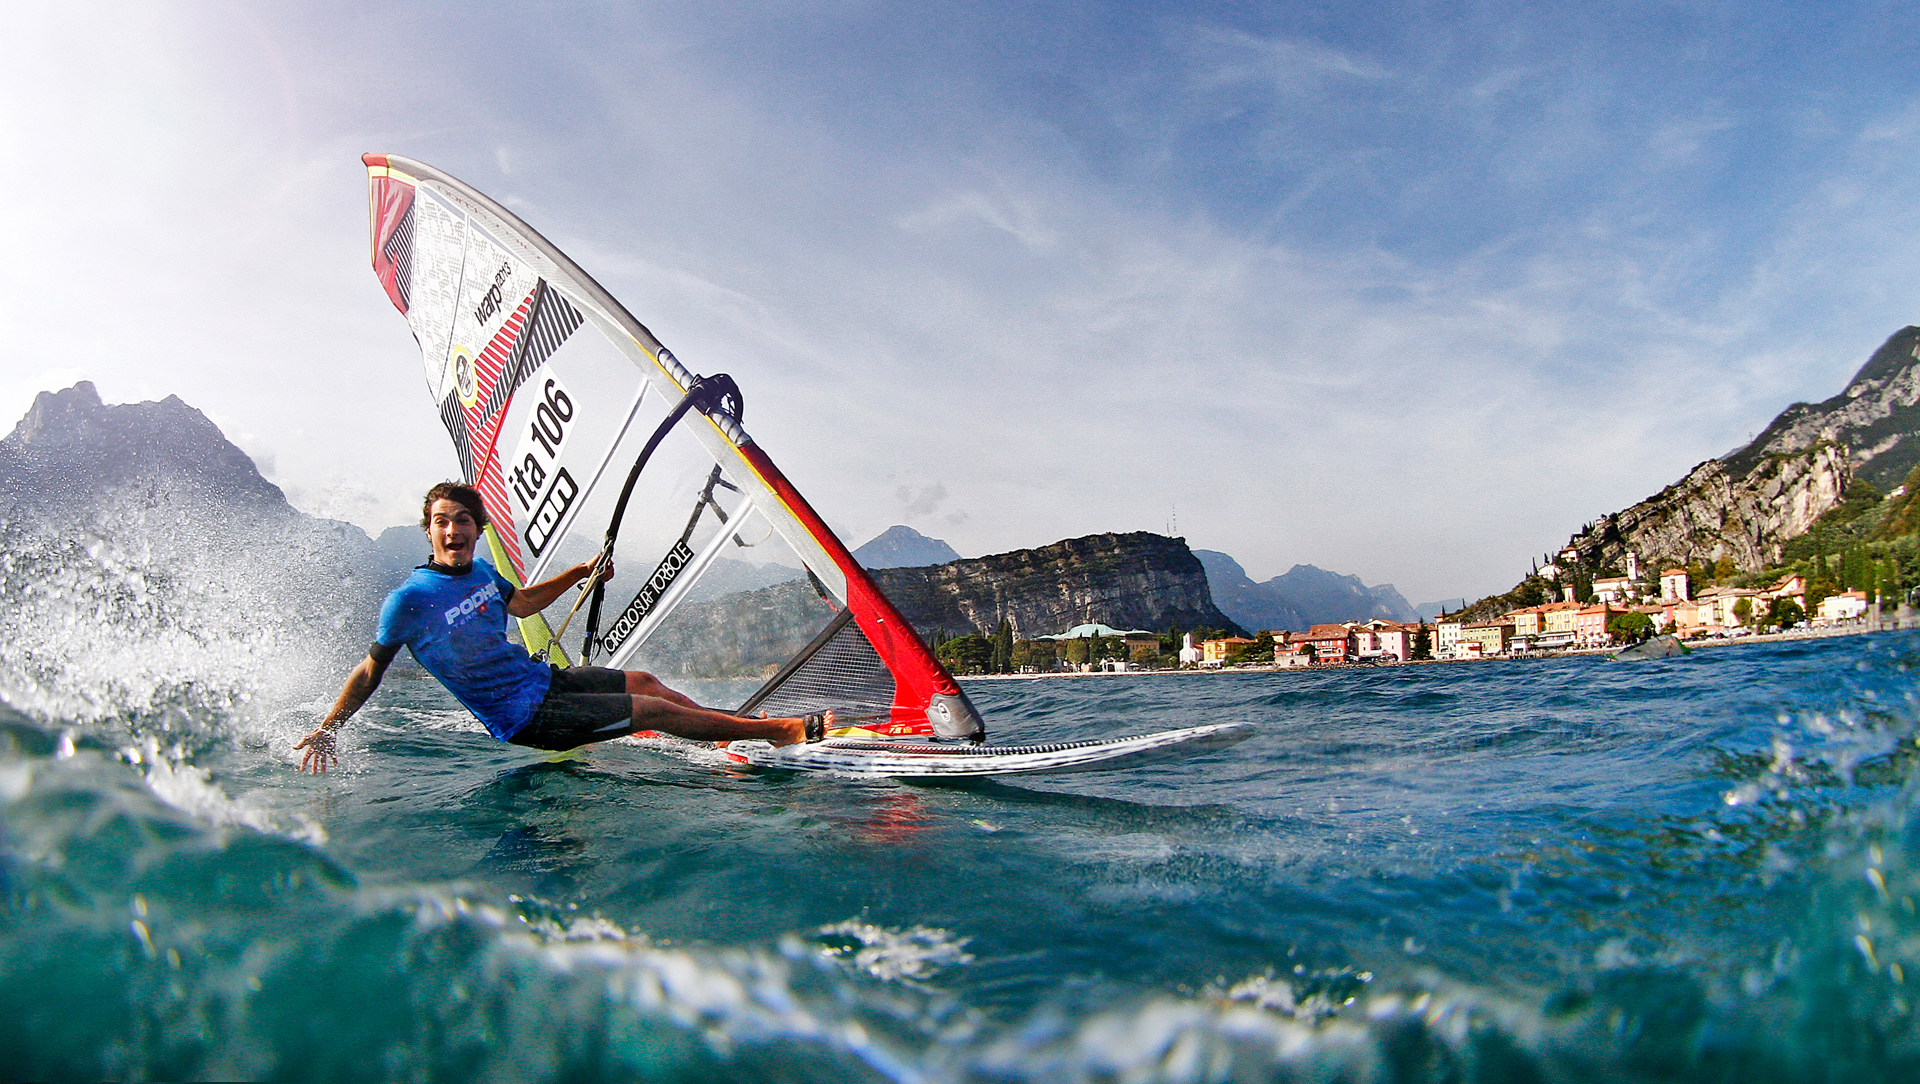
x,y
584,704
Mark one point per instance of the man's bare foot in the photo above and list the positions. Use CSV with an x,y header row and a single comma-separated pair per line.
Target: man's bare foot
x,y
805,729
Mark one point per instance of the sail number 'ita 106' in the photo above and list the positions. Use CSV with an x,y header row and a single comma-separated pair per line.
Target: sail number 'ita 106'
x,y
549,388
539,483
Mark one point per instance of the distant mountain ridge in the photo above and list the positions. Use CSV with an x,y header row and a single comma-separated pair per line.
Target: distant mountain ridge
x,y
70,447
74,460
152,494
1300,598
901,546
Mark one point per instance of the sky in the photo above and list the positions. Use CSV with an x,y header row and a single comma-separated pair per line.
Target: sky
x,y
1407,291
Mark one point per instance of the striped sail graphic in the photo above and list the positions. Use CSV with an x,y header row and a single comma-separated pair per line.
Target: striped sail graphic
x,y
551,392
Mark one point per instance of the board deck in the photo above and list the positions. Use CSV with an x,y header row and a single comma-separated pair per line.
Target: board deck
x,y
868,756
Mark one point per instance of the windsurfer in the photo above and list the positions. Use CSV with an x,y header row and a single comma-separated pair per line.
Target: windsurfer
x,y
451,613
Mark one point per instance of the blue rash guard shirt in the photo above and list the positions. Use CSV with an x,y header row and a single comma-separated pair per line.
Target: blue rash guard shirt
x,y
456,625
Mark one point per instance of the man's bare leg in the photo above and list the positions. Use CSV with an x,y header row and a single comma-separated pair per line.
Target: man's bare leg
x,y
640,683
672,717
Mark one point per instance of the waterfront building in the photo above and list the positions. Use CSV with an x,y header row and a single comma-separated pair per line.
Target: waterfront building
x,y
1526,623
1142,645
1380,638
1792,585
1214,652
1396,639
1590,625
1844,606
1687,619
1446,636
1612,588
1484,638
1332,644
1558,621
1189,654
1673,585
1526,628
1095,628
1717,605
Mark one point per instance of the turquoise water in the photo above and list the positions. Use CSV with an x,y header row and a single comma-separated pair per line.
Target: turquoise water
x,y
1695,869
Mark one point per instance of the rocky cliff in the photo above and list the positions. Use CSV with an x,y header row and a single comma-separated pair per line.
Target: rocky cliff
x,y
1876,418
1129,581
1715,512
1748,503
1126,580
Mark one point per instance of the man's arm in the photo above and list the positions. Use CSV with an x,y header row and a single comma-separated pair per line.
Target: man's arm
x,y
361,683
533,598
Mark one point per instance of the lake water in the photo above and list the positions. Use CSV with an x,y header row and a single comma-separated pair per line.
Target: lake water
x,y
1700,868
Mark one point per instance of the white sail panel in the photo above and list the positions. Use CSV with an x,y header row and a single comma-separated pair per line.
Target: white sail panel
x,y
435,289
544,419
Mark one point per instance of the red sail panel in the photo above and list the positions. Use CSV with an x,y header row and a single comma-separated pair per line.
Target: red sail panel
x,y
392,201
918,676
483,428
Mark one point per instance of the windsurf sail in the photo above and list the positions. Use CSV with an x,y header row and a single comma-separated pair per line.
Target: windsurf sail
x,y
583,433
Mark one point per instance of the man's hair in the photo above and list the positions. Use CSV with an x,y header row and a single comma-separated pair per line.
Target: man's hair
x,y
461,494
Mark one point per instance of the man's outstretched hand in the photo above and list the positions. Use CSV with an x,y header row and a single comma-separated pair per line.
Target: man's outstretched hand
x,y
320,755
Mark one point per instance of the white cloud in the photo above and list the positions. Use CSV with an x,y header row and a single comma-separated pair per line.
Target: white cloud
x,y
1226,56
1421,356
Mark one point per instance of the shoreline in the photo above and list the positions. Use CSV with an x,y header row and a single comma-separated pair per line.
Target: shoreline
x,y
1827,633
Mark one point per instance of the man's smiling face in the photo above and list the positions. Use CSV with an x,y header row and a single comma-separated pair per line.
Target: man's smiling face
x,y
451,529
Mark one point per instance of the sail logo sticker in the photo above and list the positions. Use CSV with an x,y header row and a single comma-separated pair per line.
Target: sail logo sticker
x,y
490,301
465,382
676,559
553,507
540,486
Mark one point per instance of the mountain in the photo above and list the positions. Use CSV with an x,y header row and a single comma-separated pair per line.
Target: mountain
x,y
403,547
728,576
1328,597
175,541
1749,503
1301,598
70,447
903,547
1716,512
1251,605
1876,417
1129,581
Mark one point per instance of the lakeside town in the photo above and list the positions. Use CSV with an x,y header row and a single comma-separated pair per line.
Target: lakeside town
x,y
1618,611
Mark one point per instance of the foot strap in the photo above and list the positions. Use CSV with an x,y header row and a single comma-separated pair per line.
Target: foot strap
x,y
816,727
